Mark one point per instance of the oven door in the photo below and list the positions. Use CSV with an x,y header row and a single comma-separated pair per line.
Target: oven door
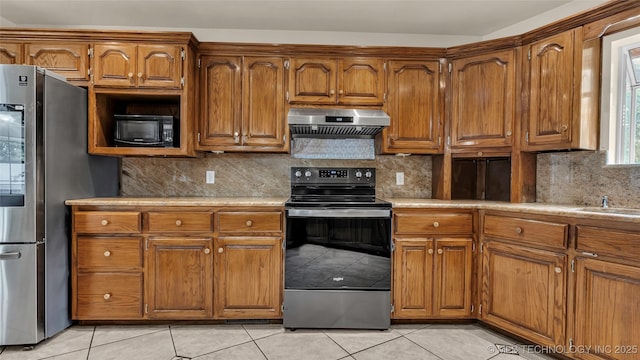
x,y
338,248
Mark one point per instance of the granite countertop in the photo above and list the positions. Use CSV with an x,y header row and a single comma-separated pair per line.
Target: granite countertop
x,y
180,201
575,211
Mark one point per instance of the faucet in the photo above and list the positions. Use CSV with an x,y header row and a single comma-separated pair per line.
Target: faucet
x,y
605,201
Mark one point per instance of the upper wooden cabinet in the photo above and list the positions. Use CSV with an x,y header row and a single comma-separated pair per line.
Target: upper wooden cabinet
x,y
415,103
563,93
10,52
138,65
242,104
483,104
346,81
69,59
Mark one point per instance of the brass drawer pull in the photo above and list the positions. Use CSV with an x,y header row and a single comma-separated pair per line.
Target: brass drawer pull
x,y
436,224
104,222
519,230
107,296
249,223
107,253
178,222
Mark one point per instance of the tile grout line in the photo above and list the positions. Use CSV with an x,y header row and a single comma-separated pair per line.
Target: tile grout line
x,y
340,346
427,350
255,343
173,343
93,334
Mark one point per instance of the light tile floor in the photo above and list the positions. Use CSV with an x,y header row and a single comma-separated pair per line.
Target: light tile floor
x,y
273,342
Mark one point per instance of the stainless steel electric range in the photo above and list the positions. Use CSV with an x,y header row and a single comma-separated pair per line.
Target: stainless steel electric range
x,y
338,250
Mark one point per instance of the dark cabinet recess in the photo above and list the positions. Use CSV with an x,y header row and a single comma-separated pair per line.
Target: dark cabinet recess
x,y
481,179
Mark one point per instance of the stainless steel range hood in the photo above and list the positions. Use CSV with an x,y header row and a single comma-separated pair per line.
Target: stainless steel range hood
x,y
336,123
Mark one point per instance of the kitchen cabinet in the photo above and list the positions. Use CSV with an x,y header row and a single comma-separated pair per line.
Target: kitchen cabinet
x,y
344,81
484,92
563,86
133,65
415,103
107,265
432,264
248,265
242,104
523,281
606,291
178,279
10,52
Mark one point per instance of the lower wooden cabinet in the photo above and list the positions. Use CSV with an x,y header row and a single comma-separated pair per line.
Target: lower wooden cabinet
x,y
179,280
248,277
432,278
160,263
607,312
524,291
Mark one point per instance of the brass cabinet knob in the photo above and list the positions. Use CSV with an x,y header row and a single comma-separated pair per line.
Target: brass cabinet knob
x,y
518,230
480,153
430,251
440,251
508,133
207,250
130,75
140,75
107,296
436,224
107,253
178,222
236,137
558,269
220,250
564,127
104,222
249,223
340,92
332,92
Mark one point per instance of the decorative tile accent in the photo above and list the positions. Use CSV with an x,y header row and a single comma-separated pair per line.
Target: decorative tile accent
x,y
306,148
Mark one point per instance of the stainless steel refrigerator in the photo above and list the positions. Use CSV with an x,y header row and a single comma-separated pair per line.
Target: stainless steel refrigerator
x,y
43,162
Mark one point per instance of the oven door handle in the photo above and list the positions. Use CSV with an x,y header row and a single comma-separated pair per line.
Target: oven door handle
x,y
339,213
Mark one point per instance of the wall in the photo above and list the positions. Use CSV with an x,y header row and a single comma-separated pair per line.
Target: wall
x,y
262,175
582,178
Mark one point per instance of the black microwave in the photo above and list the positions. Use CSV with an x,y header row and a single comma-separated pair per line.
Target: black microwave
x,y
146,130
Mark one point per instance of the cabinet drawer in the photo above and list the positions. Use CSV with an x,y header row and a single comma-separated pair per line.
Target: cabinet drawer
x,y
111,253
604,241
179,221
250,221
433,223
109,296
526,230
107,222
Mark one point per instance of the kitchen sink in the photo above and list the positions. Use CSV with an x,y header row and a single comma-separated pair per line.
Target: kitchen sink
x,y
621,211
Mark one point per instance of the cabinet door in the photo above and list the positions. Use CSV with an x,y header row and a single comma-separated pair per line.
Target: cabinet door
x,y
312,81
453,270
524,292
551,92
483,101
360,81
248,277
10,53
114,64
220,101
607,294
69,60
179,282
159,66
415,105
264,123
413,278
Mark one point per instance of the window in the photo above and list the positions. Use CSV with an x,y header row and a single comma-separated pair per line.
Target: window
x,y
620,130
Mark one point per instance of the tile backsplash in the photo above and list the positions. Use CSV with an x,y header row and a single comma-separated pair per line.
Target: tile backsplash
x,y
577,178
261,175
582,178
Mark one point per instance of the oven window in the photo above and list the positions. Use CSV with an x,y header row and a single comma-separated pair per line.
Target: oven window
x,y
338,253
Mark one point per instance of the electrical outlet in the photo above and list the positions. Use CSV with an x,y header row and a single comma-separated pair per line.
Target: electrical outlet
x,y
399,178
211,177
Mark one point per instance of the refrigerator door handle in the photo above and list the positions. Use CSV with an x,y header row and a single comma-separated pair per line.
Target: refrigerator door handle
x,y
10,255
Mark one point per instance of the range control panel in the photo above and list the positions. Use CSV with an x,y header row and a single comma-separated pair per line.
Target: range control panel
x,y
314,175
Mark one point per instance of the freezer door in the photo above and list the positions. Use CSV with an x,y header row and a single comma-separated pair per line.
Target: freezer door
x,y
21,305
